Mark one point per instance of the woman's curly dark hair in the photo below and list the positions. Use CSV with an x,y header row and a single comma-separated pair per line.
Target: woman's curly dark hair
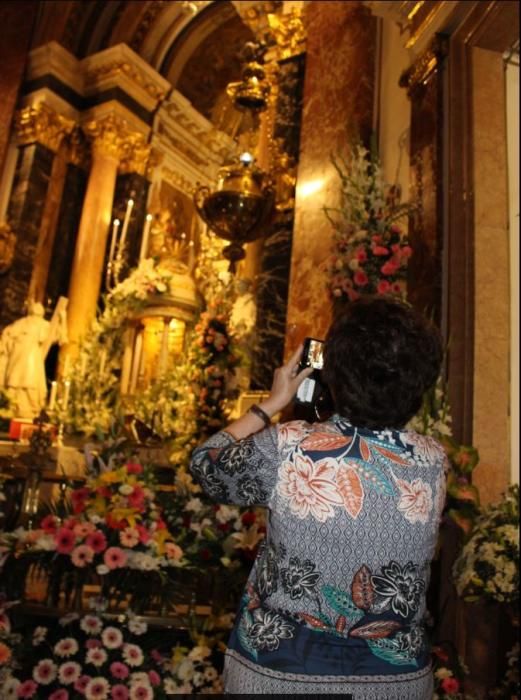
x,y
380,357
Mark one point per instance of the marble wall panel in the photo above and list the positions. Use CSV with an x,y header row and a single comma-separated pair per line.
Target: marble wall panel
x,y
492,300
16,26
25,215
337,104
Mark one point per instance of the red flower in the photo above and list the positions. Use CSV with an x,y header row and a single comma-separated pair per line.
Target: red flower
x,y
65,540
115,524
406,251
144,535
49,524
79,498
248,518
450,685
383,287
134,468
380,250
389,268
361,255
360,278
96,541
136,498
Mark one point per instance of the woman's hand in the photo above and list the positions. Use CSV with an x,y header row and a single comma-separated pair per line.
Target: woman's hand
x,y
286,381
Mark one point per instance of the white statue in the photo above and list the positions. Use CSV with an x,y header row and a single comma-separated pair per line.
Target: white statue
x,y
244,311
24,345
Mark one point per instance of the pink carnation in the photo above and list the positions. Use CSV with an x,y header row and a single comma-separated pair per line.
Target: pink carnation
x,y
60,694
119,670
119,692
27,689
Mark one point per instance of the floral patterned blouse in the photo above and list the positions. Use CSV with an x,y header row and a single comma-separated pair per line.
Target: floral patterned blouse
x,y
352,529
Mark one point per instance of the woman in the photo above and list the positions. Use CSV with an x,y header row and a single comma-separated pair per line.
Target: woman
x,y
336,598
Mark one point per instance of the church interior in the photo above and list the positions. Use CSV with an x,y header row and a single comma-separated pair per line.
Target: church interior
x,y
181,204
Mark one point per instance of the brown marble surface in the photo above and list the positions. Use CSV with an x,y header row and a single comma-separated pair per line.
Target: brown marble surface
x,y
338,102
492,293
16,31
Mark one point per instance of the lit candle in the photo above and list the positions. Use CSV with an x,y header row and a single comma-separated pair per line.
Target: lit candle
x,y
102,360
191,247
144,240
52,396
66,394
115,227
124,229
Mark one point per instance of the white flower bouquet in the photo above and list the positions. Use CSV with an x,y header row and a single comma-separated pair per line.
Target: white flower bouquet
x,y
488,566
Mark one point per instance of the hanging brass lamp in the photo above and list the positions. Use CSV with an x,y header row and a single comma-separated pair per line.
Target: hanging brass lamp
x,y
240,207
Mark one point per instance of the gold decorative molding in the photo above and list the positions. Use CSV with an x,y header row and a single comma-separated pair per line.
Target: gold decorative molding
x,y
416,77
179,181
148,18
41,124
115,69
7,246
182,147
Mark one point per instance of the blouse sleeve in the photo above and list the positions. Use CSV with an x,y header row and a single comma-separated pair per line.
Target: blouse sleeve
x,y
241,472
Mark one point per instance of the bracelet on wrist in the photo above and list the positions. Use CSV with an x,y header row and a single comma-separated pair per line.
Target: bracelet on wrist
x,y
257,411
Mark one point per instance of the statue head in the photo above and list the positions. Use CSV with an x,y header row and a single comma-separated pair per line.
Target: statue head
x,y
36,309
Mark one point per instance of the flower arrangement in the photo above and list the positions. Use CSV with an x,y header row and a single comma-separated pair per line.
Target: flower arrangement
x,y
111,532
194,672
449,674
488,567
371,250
90,657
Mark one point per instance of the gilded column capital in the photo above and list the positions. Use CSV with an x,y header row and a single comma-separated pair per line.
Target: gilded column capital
x,y
136,154
108,135
41,124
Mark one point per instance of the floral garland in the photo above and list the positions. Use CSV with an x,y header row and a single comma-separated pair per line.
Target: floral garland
x,y
371,250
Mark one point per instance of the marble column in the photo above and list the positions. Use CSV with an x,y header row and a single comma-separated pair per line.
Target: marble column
x,y
338,104
108,140
39,131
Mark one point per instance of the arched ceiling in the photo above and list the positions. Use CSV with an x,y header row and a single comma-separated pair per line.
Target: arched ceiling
x,y
196,53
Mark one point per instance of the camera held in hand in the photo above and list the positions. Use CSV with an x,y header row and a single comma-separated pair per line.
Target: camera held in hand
x,y
312,356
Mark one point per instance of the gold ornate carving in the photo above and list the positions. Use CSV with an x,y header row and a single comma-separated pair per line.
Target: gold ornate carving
x,y
288,32
41,124
418,75
116,69
136,155
7,246
78,153
108,135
